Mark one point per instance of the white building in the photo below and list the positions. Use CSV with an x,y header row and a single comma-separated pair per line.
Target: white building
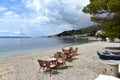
x,y
99,32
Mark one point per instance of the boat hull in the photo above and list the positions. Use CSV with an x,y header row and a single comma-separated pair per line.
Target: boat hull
x,y
107,56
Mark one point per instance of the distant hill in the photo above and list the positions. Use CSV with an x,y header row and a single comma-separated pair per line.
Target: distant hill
x,y
91,30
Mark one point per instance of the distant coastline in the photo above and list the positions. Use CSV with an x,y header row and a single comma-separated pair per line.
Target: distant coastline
x,y
84,32
68,36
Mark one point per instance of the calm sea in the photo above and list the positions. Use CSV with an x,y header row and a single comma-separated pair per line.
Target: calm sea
x,y
11,46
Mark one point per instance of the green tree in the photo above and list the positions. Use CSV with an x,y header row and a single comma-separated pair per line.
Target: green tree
x,y
107,14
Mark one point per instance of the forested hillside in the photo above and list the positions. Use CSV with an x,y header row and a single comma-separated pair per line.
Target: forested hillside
x,y
91,30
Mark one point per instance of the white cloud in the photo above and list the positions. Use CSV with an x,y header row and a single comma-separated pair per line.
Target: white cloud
x,y
77,2
40,19
2,9
35,5
9,13
52,16
10,33
17,32
51,1
47,1
66,26
7,31
4,31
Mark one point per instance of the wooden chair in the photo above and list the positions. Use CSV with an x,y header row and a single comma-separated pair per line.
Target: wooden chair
x,y
62,60
64,56
42,64
69,56
51,66
70,52
73,51
65,50
57,55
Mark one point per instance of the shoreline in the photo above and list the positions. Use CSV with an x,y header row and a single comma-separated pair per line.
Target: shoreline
x,y
87,65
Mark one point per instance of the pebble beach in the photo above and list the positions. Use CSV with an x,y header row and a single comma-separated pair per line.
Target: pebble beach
x,y
86,65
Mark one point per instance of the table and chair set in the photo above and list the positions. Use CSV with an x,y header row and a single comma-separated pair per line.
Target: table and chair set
x,y
58,60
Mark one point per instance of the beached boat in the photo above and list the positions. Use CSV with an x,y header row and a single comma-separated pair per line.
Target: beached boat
x,y
108,56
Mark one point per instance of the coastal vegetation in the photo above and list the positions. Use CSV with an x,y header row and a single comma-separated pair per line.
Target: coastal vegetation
x,y
90,31
105,13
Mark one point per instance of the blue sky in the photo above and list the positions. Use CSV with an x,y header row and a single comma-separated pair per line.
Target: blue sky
x,y
41,17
